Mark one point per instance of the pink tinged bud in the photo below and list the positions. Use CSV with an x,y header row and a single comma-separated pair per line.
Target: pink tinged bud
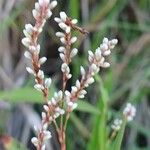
x,y
28,55
73,39
40,74
74,89
42,60
105,65
61,49
35,13
60,34
104,47
106,53
34,140
48,82
74,21
73,52
58,20
29,70
26,42
53,4
105,40
43,2
63,16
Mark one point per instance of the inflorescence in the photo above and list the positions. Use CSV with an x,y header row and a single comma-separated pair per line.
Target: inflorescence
x,y
64,101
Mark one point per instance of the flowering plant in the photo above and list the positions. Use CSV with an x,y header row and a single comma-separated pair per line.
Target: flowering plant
x,y
64,101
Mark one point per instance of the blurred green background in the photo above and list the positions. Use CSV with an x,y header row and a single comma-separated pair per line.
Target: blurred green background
x,y
127,80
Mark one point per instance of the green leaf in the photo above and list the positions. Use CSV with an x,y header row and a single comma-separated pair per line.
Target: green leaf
x,y
118,140
74,11
87,107
26,94
98,139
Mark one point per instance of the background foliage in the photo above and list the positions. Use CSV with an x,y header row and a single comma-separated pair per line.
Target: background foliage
x,y
127,80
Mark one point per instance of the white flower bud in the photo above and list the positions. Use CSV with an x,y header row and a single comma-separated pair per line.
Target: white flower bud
x,y
63,40
38,87
74,21
53,4
62,56
42,60
34,140
60,34
82,70
28,55
26,42
29,70
73,52
40,74
48,82
63,16
58,20
61,49
73,39
105,40
47,135
106,65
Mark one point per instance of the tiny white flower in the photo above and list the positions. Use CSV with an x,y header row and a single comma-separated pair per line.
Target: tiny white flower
x,y
129,111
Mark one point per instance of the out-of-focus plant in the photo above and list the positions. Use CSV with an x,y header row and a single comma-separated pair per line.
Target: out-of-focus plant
x,y
57,110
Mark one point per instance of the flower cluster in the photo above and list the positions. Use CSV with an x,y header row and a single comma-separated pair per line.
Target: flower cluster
x,y
129,112
116,124
96,60
66,51
64,101
41,13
